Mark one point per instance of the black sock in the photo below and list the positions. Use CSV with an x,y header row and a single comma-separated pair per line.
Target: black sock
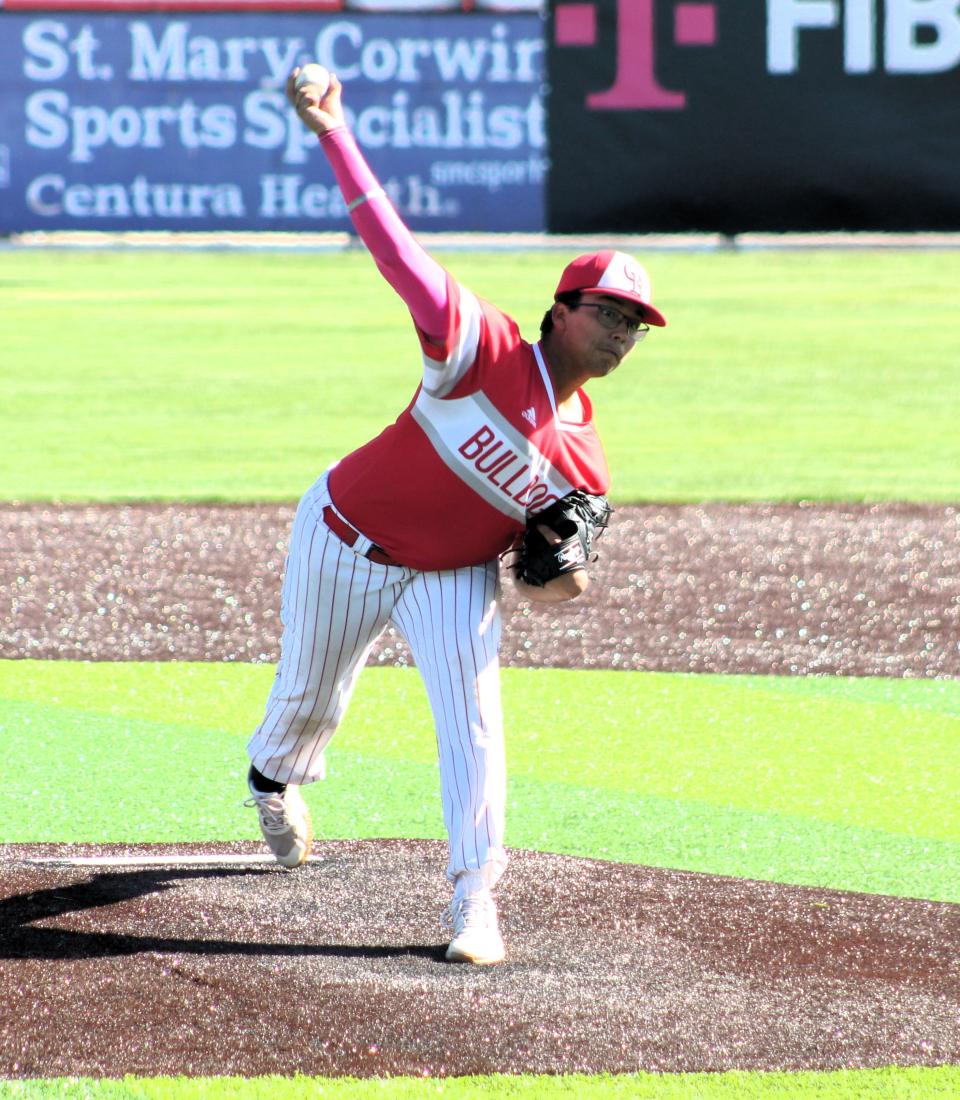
x,y
260,783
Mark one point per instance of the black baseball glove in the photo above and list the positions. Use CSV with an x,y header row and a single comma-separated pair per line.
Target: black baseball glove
x,y
578,519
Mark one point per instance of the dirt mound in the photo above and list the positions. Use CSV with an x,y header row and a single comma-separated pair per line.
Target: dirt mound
x,y
337,969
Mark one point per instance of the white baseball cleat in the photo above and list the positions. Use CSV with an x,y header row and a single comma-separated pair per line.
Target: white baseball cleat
x,y
285,824
476,932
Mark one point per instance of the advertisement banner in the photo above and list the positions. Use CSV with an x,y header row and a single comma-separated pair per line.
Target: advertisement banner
x,y
770,115
179,122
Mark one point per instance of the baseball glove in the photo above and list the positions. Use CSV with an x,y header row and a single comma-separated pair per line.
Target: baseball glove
x,y
578,519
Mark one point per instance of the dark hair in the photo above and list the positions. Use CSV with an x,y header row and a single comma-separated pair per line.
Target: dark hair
x,y
571,299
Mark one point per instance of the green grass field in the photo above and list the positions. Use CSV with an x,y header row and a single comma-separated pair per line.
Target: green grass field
x,y
881,1084
848,784
238,376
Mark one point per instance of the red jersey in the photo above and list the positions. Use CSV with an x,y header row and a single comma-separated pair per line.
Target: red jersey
x,y
479,448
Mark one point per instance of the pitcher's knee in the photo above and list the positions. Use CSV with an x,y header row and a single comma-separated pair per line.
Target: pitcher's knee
x,y
292,731
316,727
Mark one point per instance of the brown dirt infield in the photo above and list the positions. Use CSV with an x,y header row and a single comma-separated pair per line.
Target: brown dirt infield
x,y
855,590
337,968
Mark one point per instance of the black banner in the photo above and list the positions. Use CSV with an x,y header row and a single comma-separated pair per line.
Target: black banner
x,y
736,116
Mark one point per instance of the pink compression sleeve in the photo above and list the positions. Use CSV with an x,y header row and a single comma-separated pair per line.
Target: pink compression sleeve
x,y
419,280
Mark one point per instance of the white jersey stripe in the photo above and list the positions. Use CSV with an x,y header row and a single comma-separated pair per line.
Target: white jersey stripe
x,y
515,438
502,503
547,381
439,378
561,425
540,465
492,457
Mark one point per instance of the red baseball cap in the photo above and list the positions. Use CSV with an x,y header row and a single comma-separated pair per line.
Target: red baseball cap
x,y
613,273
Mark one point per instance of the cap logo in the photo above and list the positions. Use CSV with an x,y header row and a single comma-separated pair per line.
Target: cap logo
x,y
623,273
635,279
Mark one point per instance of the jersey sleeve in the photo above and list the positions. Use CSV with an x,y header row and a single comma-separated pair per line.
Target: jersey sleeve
x,y
419,280
447,360
447,316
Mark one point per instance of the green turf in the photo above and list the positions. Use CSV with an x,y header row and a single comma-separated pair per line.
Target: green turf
x,y
240,376
841,783
200,376
889,1083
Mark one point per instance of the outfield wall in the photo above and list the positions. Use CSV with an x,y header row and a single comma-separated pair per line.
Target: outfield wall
x,y
784,115
630,116
127,121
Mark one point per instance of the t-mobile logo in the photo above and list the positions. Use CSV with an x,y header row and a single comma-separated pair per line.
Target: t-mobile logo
x,y
636,86
899,36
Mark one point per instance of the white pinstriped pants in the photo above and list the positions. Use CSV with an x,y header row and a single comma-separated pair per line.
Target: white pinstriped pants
x,y
335,603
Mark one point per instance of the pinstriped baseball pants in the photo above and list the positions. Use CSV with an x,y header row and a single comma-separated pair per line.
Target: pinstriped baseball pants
x,y
335,603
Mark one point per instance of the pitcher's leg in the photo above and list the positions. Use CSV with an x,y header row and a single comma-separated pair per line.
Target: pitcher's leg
x,y
451,620
334,606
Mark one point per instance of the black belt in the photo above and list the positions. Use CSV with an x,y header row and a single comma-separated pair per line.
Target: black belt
x,y
349,535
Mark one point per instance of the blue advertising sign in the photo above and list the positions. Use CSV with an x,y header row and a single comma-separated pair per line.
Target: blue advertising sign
x,y
127,122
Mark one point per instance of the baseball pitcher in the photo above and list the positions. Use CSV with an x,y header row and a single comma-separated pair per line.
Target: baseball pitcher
x,y
495,457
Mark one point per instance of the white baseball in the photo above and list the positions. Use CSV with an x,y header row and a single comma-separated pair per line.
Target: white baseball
x,y
315,75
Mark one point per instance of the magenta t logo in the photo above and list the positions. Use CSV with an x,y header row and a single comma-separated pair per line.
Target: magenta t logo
x,y
636,87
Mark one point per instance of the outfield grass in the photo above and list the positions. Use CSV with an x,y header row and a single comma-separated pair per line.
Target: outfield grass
x,y
879,1084
848,784
240,376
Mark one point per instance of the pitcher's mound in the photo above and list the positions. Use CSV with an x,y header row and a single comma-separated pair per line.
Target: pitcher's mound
x,y
201,960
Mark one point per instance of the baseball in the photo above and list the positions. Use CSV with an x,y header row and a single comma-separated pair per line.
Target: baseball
x,y
313,74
